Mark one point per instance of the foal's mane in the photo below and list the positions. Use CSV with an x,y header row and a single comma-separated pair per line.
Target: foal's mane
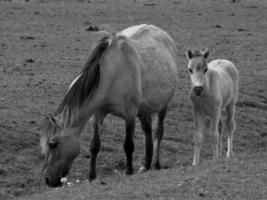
x,y
86,84
196,53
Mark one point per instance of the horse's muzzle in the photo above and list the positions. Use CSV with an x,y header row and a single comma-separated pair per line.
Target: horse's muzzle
x,y
54,183
198,90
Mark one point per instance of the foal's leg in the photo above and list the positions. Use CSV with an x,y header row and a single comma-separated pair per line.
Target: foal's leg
x,y
199,120
230,128
215,118
158,136
128,142
146,125
96,120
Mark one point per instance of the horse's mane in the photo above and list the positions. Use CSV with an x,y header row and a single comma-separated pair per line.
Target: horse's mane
x,y
87,82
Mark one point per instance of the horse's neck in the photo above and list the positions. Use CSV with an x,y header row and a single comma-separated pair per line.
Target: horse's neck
x,y
75,131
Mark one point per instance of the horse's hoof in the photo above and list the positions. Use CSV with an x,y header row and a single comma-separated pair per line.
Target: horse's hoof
x,y
142,169
157,166
92,177
129,172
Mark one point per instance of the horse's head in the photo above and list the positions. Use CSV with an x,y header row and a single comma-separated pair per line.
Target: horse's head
x,y
197,66
59,150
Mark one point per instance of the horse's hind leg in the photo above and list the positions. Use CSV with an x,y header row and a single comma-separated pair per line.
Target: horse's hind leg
x,y
146,125
158,136
128,142
220,130
96,121
230,128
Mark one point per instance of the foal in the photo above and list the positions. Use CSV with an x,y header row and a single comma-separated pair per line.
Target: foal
x,y
214,90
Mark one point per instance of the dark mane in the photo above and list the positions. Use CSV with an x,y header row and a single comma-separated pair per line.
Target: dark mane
x,y
87,82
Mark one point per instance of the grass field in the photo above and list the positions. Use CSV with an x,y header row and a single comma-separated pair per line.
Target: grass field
x,y
43,46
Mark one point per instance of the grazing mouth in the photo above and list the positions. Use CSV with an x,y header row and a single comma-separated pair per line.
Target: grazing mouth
x,y
57,183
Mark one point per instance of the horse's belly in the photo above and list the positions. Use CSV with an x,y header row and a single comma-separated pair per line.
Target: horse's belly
x,y
158,74
158,85
155,99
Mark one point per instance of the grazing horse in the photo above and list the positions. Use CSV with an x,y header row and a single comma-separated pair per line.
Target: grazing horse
x,y
129,74
214,91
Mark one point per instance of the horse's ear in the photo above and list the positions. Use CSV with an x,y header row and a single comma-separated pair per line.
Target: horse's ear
x,y
53,142
205,53
51,118
54,120
59,122
189,54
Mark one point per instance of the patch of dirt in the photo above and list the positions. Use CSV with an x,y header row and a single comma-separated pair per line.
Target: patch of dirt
x,y
45,43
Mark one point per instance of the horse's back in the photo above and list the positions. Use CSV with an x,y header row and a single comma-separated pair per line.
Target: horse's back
x,y
227,72
158,68
149,36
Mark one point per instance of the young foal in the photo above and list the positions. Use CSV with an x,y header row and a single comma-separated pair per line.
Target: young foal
x,y
214,90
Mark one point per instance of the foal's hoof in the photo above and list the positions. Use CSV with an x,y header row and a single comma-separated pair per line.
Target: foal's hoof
x,y
229,155
142,169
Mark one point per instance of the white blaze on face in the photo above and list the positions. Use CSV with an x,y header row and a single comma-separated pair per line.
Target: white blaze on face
x,y
197,77
74,81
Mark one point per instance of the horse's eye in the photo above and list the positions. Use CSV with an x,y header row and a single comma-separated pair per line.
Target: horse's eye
x,y
205,70
190,70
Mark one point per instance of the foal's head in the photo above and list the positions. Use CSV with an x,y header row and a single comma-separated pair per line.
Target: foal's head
x,y
59,151
197,66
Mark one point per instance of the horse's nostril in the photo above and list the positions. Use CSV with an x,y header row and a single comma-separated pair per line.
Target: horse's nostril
x,y
198,89
47,181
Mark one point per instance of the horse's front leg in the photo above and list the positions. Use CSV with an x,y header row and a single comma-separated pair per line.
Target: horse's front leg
x,y
199,120
96,121
128,142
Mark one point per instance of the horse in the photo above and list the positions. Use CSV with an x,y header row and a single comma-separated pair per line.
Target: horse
x,y
214,94
130,74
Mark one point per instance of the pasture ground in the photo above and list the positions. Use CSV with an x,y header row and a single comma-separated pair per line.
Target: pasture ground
x,y
43,46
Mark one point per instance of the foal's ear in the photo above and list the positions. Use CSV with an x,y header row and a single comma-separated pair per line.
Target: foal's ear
x,y
205,53
189,54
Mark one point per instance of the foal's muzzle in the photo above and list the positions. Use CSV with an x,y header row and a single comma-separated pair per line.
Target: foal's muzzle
x,y
198,90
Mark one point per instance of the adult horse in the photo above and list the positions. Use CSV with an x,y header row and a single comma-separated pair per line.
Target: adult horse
x,y
214,91
131,73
